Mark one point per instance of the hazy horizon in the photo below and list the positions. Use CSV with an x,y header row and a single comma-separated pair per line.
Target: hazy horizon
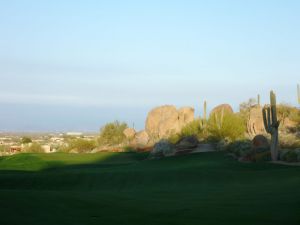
x,y
78,65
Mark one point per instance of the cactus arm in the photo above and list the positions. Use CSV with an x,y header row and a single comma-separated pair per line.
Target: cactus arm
x,y
266,118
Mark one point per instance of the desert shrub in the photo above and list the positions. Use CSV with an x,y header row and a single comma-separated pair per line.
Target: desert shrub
x,y
26,140
80,145
240,148
174,138
286,111
194,128
34,148
291,156
112,133
289,141
228,126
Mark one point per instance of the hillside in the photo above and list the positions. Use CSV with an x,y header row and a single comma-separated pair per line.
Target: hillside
x,y
125,188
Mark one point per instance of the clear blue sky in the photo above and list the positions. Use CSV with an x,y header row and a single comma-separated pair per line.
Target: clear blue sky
x,y
74,65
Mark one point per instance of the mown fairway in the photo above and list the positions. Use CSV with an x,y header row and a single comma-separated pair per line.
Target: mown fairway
x,y
123,188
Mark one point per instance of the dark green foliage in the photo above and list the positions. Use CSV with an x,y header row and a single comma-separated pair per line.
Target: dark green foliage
x,y
240,148
26,140
290,155
124,188
112,133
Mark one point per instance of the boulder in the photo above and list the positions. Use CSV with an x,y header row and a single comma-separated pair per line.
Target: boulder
x,y
141,139
186,115
165,120
129,133
260,144
226,108
162,148
188,142
255,123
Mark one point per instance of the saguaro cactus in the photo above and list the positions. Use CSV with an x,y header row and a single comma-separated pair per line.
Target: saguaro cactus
x,y
298,92
219,119
258,99
204,111
271,124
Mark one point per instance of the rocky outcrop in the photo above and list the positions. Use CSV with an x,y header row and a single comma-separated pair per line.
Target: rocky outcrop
x,y
225,108
141,139
255,123
166,120
186,115
129,133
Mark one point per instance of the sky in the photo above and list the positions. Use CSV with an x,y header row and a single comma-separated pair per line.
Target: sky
x,y
76,65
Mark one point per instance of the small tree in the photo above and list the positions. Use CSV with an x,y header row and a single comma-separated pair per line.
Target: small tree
x,y
112,133
26,140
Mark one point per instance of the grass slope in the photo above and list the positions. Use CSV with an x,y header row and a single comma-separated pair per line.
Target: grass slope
x,y
123,188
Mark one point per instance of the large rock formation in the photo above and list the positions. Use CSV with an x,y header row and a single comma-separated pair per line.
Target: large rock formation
x,y
255,123
226,108
141,139
129,133
165,120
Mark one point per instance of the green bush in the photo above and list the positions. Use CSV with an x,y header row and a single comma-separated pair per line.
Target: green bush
x,y
291,156
112,133
80,145
174,138
240,148
229,126
26,140
34,148
194,128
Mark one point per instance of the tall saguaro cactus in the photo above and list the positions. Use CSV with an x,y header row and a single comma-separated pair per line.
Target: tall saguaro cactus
x,y
258,99
298,92
271,124
204,111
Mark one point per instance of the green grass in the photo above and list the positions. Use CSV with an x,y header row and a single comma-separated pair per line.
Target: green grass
x,y
124,188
